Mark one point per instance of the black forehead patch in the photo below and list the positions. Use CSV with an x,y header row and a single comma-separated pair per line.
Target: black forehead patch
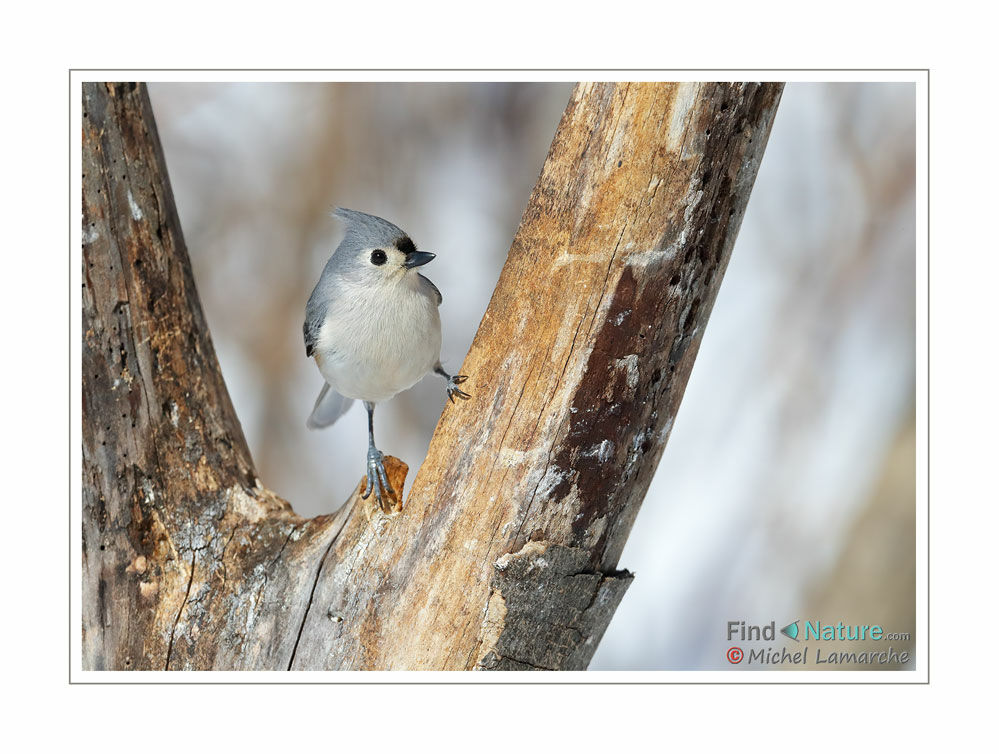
x,y
405,245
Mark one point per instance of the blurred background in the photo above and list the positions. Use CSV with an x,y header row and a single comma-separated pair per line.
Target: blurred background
x,y
787,492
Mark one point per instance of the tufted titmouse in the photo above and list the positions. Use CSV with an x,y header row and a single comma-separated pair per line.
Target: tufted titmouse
x,y
373,328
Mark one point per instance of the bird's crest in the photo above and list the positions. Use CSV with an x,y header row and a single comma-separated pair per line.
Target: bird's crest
x,y
364,230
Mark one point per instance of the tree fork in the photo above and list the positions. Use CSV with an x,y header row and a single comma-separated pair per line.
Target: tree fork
x,y
505,554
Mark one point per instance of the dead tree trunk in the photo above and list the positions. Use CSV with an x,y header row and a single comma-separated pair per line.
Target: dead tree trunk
x,y
505,554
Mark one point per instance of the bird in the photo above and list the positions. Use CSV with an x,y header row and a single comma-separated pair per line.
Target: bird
x,y
373,328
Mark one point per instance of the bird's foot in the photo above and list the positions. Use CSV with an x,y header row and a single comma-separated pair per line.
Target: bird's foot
x,y
453,389
377,479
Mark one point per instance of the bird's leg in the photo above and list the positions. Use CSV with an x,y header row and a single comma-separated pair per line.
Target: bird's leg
x,y
452,384
377,478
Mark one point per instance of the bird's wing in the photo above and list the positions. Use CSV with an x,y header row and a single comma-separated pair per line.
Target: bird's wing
x,y
330,406
315,313
431,288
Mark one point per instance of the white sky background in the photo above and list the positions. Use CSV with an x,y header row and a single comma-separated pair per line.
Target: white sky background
x,y
804,375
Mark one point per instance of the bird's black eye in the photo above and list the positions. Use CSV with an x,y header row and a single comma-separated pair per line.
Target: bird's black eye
x,y
378,257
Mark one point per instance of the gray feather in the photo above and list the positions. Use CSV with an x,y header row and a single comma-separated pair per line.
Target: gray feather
x,y
432,289
330,406
363,231
315,313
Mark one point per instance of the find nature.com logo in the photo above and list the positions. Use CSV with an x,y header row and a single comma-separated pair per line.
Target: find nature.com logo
x,y
812,631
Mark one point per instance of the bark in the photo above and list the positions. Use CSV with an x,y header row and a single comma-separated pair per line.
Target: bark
x,y
505,554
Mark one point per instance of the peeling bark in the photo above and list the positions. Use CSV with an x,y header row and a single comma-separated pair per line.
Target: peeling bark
x,y
505,554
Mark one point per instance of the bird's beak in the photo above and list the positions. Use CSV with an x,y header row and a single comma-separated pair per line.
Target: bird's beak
x,y
418,258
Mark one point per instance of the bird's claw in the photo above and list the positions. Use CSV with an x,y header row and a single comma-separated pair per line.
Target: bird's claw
x,y
453,390
377,478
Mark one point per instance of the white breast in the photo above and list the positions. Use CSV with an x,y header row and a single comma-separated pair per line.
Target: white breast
x,y
376,343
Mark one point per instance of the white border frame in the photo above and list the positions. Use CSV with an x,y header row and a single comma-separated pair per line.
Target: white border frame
x,y
919,675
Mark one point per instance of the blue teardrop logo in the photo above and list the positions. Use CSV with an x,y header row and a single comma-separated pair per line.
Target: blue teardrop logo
x,y
791,630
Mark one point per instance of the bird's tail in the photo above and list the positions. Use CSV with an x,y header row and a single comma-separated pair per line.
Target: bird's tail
x,y
330,406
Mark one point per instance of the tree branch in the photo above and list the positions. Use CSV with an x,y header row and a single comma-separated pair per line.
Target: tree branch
x,y
505,554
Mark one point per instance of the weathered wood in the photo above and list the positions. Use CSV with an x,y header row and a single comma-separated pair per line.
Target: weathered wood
x,y
187,561
505,554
